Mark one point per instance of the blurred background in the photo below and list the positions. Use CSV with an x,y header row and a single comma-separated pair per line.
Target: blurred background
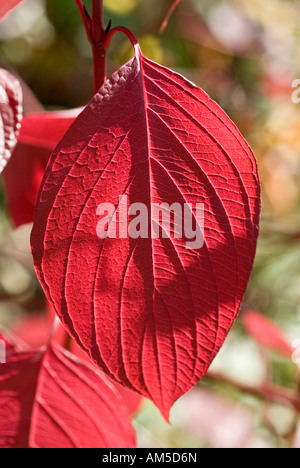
x,y
246,55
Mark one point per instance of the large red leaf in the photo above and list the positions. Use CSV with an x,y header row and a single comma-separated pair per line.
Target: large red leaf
x,y
6,6
49,399
10,115
267,333
150,312
40,132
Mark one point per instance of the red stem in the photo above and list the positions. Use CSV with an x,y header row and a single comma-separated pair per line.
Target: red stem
x,y
98,21
100,38
99,59
94,28
99,53
110,34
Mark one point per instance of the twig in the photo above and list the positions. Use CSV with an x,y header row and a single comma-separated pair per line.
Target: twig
x,y
268,392
169,14
95,32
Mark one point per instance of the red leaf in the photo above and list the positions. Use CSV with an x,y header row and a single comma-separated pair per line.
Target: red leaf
x,y
132,400
12,342
40,132
150,312
46,129
6,6
52,400
10,115
266,333
22,179
35,331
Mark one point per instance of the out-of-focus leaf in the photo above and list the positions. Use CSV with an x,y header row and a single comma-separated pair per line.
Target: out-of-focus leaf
x,y
266,333
6,6
121,7
40,133
22,178
46,129
219,421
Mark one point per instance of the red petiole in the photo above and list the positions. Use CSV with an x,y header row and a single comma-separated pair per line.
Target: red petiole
x,y
100,38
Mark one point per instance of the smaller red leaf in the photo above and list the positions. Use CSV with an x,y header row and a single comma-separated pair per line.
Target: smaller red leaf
x,y
50,399
18,379
6,6
46,129
12,343
132,400
35,331
266,333
22,178
10,115
39,134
